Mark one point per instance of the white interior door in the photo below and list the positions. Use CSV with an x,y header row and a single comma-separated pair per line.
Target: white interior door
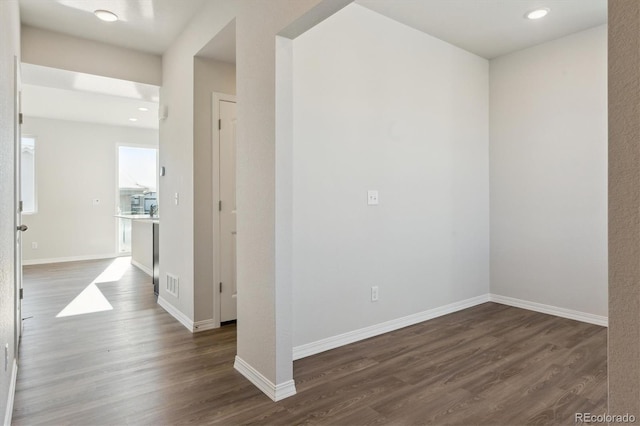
x,y
227,207
18,206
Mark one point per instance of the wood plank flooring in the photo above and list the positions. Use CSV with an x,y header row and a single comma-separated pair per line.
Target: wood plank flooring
x,y
135,364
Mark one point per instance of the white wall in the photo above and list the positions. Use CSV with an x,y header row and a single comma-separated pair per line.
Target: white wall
x,y
9,48
264,298
549,173
43,47
75,163
209,76
378,105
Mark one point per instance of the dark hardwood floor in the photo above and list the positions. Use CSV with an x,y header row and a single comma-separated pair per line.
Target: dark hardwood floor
x,y
135,364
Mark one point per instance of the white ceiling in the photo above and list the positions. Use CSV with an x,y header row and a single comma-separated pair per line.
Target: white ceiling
x,y
67,95
488,28
145,25
491,28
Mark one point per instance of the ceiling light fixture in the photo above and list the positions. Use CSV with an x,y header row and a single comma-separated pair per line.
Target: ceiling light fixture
x,y
133,119
537,14
144,109
106,15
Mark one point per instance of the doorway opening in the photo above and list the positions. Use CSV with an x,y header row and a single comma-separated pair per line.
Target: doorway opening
x,y
73,125
214,186
78,121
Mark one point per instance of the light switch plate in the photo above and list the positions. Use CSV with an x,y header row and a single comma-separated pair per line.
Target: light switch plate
x,y
96,201
372,197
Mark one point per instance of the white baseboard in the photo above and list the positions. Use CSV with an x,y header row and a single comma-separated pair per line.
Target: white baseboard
x,y
273,391
204,325
193,327
333,342
551,310
174,312
143,268
12,392
68,259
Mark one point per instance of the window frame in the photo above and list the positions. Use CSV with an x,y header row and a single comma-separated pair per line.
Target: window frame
x,y
35,174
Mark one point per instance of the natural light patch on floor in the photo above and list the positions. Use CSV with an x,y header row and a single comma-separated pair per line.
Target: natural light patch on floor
x,y
115,271
91,298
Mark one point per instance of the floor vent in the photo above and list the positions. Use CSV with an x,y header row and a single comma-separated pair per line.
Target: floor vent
x,y
173,285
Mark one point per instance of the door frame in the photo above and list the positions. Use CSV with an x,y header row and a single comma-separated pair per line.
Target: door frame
x,y
17,207
216,98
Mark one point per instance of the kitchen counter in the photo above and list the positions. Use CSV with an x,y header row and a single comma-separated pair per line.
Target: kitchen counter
x,y
144,217
142,241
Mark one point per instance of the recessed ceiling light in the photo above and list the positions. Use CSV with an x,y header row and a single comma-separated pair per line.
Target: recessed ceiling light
x,y
106,15
537,14
143,109
133,119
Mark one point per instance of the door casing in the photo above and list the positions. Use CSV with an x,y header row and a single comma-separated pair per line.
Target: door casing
x,y
217,299
17,206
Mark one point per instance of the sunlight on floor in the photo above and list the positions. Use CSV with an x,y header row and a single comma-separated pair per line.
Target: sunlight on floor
x,y
115,271
91,298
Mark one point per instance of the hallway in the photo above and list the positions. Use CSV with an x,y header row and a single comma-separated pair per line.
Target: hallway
x,y
132,364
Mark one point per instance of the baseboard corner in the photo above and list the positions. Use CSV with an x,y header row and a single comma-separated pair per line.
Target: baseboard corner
x,y
550,310
174,312
204,325
275,392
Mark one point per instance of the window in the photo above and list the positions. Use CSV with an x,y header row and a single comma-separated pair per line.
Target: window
x,y
137,193
28,174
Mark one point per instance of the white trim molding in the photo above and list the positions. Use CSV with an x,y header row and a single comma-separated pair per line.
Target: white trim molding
x,y
12,392
273,391
193,327
68,259
551,310
143,268
333,342
216,98
204,325
174,312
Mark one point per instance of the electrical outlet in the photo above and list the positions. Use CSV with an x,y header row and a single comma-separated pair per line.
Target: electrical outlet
x,y
34,245
374,293
372,197
96,201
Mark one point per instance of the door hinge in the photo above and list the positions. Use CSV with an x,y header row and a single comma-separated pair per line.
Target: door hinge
x,y
220,205
220,288
20,207
219,124
19,118
21,293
